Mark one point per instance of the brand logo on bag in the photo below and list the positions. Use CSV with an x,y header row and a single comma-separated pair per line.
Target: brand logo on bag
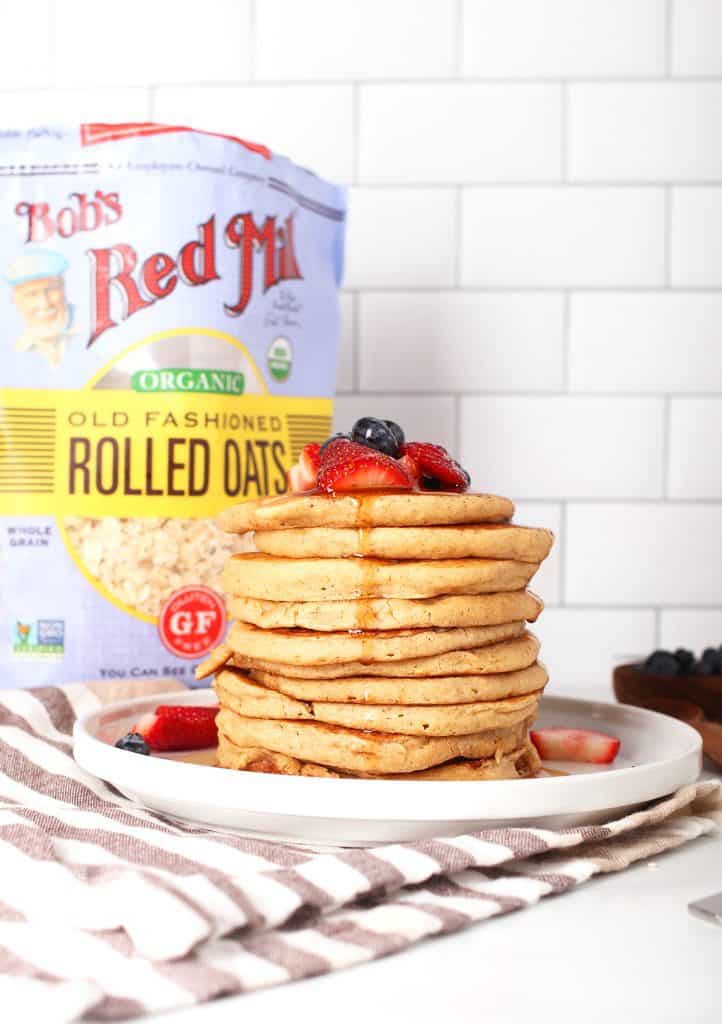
x,y
122,282
82,213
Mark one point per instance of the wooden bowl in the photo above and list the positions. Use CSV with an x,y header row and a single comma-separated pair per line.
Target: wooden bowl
x,y
683,697
633,685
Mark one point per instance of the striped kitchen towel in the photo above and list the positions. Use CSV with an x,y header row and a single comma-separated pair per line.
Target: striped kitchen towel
x,y
109,911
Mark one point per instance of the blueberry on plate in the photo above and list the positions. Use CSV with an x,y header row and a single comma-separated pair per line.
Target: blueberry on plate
x,y
133,742
662,663
382,435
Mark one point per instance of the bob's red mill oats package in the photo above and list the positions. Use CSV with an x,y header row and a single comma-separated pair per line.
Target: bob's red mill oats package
x,y
169,306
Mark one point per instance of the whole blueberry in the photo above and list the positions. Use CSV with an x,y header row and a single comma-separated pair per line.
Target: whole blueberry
x,y
662,663
705,668
711,662
336,437
685,659
133,742
376,434
396,432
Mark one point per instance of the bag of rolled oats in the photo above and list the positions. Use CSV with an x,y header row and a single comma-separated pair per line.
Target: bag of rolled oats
x,y
169,303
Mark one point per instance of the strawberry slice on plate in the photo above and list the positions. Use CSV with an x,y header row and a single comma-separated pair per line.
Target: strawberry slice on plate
x,y
179,727
349,466
435,468
575,745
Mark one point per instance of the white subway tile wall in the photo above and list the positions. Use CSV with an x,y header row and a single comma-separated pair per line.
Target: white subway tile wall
x,y
534,263
580,447
562,237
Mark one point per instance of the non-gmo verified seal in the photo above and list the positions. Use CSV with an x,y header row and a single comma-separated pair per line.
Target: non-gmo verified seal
x,y
280,359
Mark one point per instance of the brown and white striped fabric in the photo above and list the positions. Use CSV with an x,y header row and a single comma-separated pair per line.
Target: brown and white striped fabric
x,y
110,911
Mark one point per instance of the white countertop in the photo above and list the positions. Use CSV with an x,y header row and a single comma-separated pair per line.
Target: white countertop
x,y
622,948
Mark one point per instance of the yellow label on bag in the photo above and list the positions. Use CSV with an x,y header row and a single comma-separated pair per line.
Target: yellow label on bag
x,y
128,453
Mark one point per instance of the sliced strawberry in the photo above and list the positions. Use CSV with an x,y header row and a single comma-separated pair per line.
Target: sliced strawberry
x,y
575,745
310,461
296,479
178,727
411,467
436,470
348,466
302,476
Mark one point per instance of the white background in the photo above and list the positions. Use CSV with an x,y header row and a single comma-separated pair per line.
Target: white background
x,y
534,269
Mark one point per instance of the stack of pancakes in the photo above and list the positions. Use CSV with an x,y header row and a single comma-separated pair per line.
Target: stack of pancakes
x,y
380,636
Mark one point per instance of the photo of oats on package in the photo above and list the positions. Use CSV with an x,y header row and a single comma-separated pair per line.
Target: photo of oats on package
x,y
169,304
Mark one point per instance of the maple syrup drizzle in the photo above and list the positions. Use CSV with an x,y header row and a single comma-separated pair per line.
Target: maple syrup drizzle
x,y
363,613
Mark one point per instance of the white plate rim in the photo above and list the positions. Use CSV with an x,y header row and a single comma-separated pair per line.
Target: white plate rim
x,y
361,800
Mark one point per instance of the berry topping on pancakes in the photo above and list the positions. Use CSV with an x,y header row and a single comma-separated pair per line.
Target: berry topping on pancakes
x,y
348,466
376,457
302,476
436,470
383,435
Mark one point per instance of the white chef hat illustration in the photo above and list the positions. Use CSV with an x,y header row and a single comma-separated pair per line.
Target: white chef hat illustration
x,y
34,265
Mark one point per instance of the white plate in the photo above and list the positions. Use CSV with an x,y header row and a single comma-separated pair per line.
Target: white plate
x,y
657,756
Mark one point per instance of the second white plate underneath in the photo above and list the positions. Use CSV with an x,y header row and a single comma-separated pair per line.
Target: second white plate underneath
x,y
658,755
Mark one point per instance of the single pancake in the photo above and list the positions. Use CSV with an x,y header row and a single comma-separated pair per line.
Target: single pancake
x,y
521,763
434,690
479,540
330,579
245,697
507,656
354,750
388,612
305,647
369,508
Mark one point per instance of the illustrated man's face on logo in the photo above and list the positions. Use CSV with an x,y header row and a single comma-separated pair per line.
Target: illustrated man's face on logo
x,y
42,305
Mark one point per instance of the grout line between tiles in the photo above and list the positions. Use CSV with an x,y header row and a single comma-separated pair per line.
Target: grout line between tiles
x,y
458,36
355,343
668,37
566,340
458,207
356,131
502,392
530,290
53,44
542,289
668,237
562,553
253,37
546,183
322,81
457,423
666,426
610,606
564,133
626,501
